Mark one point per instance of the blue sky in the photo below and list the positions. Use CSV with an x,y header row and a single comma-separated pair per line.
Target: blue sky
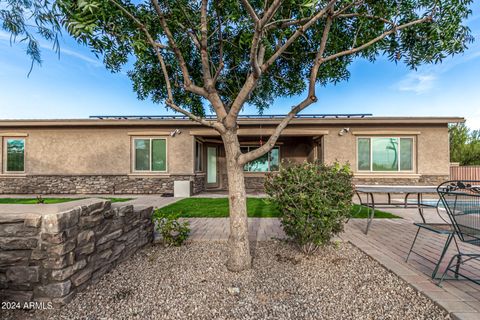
x,y
77,85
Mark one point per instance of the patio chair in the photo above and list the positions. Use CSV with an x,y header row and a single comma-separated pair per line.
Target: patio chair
x,y
461,199
438,228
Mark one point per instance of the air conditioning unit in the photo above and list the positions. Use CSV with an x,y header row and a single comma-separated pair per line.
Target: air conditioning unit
x,y
182,189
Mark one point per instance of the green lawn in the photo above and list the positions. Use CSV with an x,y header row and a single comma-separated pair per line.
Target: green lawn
x,y
34,200
256,207
51,200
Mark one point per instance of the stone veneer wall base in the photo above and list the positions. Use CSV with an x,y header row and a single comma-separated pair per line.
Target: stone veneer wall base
x,y
95,184
256,183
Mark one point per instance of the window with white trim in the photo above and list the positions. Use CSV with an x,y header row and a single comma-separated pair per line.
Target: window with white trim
x,y
150,154
385,154
14,155
266,163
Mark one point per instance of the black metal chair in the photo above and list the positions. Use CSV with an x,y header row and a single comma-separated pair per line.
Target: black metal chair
x,y
461,200
438,228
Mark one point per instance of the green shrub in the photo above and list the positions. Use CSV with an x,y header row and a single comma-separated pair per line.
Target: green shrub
x,y
314,200
173,231
40,200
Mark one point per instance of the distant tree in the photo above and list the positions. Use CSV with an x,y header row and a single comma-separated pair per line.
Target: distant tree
x,y
221,55
464,145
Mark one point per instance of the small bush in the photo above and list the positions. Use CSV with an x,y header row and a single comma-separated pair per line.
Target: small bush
x,y
40,200
314,200
173,232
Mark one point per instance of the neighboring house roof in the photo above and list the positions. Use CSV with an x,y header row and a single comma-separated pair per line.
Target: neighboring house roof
x,y
314,119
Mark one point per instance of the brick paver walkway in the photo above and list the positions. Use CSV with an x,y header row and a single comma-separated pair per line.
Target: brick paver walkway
x,y
218,229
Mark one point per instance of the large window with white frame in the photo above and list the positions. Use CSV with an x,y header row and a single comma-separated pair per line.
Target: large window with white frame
x,y
266,163
14,155
385,154
149,154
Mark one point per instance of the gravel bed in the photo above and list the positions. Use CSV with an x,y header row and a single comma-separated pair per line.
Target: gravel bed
x,y
192,282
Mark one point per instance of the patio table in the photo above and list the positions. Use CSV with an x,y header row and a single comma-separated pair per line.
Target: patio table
x,y
370,192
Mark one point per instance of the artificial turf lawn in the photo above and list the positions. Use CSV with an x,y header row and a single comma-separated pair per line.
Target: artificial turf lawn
x,y
51,200
256,208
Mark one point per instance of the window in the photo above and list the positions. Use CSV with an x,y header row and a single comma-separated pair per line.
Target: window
x,y
385,154
14,155
268,162
198,156
150,154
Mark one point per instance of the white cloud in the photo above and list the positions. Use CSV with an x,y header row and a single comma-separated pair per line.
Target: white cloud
x,y
417,82
5,36
473,120
423,80
74,54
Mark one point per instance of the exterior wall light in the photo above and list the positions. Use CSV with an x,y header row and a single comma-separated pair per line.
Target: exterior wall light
x,y
344,131
175,132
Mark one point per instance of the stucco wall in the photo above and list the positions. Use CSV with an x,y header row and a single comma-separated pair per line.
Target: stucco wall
x,y
97,151
431,147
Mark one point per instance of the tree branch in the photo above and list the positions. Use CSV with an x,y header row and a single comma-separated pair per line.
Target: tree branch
x,y
375,40
252,79
318,58
220,50
207,77
297,34
250,10
210,94
350,15
213,124
189,86
254,154
157,46
354,3
311,98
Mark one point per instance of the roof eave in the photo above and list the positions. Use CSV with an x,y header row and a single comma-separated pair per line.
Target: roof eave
x,y
251,121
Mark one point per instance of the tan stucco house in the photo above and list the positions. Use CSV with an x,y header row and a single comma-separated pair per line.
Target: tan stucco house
x,y
128,155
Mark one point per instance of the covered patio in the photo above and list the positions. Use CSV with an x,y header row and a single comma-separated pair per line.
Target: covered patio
x,y
296,145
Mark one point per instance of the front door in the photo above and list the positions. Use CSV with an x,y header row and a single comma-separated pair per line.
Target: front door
x,y
212,167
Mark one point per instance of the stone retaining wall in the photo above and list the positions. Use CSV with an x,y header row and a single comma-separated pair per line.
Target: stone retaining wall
x,y
52,256
94,184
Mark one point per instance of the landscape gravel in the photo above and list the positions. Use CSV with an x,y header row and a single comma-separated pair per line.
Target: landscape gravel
x,y
192,282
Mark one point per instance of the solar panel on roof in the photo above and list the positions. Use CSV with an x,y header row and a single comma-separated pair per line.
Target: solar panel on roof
x,y
264,116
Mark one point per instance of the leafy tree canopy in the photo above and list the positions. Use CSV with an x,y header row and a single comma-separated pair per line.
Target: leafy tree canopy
x,y
27,20
122,29
464,145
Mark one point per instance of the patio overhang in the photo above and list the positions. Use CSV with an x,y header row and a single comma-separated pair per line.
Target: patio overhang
x,y
297,132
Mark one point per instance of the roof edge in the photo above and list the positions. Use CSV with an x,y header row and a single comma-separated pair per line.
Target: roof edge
x,y
243,121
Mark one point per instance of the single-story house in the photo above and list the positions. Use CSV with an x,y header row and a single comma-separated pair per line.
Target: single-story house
x,y
128,155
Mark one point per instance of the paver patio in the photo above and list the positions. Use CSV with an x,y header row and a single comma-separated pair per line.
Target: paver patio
x,y
388,242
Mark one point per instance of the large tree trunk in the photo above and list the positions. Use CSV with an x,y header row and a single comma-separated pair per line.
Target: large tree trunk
x,y
239,257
